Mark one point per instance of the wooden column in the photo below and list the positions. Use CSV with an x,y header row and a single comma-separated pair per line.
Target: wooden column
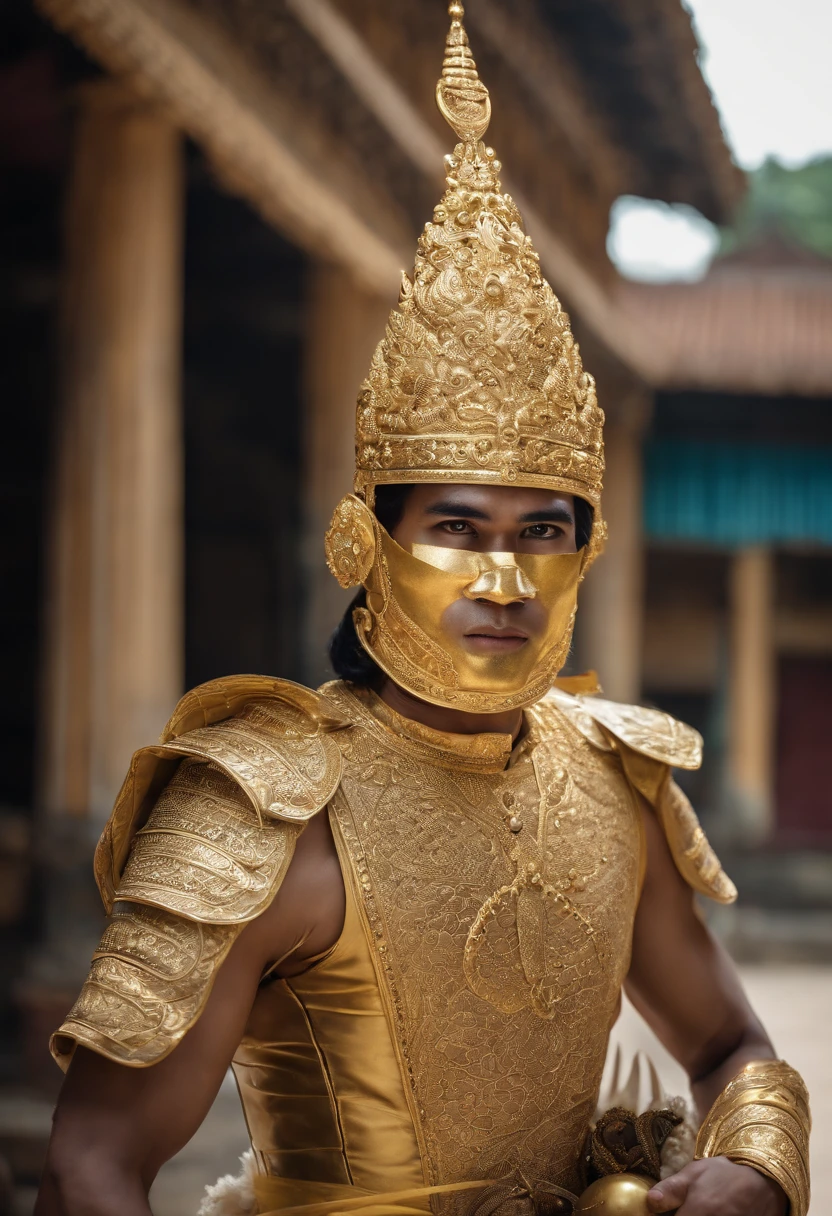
x,y
611,601
752,693
114,646
344,325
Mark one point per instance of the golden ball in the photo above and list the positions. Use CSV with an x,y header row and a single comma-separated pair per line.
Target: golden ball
x,y
616,1195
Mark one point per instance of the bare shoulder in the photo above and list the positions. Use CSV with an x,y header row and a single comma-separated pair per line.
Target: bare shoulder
x,y
306,916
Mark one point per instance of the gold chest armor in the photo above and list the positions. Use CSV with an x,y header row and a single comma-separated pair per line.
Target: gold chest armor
x,y
500,953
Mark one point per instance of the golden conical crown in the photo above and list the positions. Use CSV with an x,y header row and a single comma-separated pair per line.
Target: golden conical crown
x,y
478,377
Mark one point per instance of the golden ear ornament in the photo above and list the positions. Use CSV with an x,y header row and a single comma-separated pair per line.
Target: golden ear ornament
x,y
350,542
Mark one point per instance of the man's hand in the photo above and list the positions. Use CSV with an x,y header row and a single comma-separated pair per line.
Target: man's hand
x,y
718,1187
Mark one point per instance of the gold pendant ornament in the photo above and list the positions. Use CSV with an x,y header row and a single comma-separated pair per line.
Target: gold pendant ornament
x,y
409,592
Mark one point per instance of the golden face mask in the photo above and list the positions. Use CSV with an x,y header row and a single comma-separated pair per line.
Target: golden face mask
x,y
404,629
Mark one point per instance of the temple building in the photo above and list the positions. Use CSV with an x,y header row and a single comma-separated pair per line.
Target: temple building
x,y
737,610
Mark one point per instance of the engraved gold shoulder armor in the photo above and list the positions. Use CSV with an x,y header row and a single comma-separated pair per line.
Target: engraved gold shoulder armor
x,y
201,835
150,978
204,854
650,744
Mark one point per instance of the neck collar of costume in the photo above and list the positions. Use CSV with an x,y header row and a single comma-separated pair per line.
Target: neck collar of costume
x,y
484,752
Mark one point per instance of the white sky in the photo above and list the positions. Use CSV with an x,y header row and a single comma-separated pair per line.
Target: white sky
x,y
768,65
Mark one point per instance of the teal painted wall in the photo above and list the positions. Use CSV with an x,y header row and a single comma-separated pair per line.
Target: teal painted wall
x,y
732,494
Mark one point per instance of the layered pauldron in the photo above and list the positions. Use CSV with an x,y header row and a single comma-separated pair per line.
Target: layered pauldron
x,y
762,1119
200,838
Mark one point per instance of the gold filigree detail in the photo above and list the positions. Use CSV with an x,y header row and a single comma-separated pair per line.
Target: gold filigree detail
x,y
762,1119
653,743
648,731
350,542
285,763
433,859
531,945
204,854
478,376
149,981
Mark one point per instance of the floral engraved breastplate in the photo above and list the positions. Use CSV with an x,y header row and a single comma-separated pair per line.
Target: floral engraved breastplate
x,y
500,901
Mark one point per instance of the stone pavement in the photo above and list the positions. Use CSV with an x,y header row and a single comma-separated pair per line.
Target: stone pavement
x,y
795,1003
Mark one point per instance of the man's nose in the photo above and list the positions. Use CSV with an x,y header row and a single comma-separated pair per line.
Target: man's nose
x,y
502,585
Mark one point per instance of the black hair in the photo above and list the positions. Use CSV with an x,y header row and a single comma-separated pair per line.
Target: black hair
x,y
584,516
348,658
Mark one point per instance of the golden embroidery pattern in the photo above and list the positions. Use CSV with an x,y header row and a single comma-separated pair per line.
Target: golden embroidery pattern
x,y
430,846
653,743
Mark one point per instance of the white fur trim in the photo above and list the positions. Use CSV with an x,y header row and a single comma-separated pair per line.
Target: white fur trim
x,y
680,1145
233,1194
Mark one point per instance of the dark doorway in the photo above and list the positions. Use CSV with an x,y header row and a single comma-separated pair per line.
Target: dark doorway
x,y
243,342
804,730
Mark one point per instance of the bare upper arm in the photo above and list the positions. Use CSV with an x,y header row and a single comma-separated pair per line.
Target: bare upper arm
x,y
681,979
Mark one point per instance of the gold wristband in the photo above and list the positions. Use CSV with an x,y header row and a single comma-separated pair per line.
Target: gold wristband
x,y
762,1119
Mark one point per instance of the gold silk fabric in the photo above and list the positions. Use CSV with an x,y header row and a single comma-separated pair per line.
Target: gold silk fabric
x,y
478,377
499,888
320,1081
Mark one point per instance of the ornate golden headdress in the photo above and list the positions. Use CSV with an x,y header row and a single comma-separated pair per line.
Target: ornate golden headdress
x,y
478,377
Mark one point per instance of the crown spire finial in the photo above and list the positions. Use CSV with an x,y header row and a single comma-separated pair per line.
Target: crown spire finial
x,y
462,98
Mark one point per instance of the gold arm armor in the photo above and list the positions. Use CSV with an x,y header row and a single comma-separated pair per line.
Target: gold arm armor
x,y
651,743
199,840
272,738
762,1119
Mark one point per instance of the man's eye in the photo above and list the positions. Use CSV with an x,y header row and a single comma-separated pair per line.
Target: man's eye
x,y
459,527
543,531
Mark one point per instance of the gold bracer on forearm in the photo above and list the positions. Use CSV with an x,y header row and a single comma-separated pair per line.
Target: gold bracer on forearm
x,y
762,1119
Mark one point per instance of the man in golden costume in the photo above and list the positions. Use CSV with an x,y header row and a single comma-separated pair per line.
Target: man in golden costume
x,y
403,907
